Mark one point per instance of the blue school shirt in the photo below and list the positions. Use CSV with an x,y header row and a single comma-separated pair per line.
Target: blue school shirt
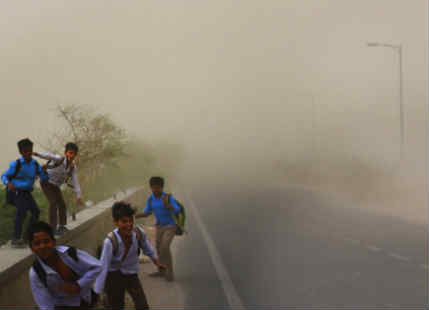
x,y
163,215
130,265
87,268
26,176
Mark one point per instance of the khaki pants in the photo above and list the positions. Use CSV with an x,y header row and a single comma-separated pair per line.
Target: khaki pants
x,y
57,206
164,237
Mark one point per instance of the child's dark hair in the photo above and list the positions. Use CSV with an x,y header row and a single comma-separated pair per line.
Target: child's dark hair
x,y
24,143
121,209
156,181
39,227
72,147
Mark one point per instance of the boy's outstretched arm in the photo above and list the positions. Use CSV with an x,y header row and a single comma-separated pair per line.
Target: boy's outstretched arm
x,y
48,156
148,249
93,269
146,212
137,216
42,173
105,259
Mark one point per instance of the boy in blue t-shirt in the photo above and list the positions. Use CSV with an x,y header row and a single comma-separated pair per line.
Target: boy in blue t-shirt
x,y
19,180
163,206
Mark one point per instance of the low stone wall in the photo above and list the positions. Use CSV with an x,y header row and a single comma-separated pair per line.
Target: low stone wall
x,y
87,232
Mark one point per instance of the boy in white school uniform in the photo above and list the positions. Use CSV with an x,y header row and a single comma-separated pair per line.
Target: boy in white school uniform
x,y
61,276
60,169
120,261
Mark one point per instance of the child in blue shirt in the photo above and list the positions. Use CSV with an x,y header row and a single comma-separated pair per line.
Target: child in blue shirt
x,y
163,206
19,180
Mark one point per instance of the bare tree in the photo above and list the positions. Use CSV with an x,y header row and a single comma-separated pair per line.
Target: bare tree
x,y
101,143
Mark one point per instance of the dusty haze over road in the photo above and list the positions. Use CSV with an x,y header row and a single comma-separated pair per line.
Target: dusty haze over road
x,y
245,86
277,92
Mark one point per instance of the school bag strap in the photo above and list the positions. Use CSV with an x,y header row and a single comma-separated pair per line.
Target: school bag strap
x,y
72,252
115,244
17,168
139,235
179,219
112,237
150,199
41,273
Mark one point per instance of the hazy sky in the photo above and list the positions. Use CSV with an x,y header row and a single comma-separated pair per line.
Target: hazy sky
x,y
227,78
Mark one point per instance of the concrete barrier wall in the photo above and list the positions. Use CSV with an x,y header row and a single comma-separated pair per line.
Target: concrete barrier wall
x,y
87,232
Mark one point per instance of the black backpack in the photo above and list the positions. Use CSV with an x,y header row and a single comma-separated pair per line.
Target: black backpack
x,y
9,194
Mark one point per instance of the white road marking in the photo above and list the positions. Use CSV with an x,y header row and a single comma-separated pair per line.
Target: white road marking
x,y
390,254
374,248
399,257
230,291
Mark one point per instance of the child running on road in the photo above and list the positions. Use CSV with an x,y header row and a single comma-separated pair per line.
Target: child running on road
x,y
163,206
120,260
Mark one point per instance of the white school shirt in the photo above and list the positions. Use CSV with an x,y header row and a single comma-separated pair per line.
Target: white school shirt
x,y
87,268
130,265
58,175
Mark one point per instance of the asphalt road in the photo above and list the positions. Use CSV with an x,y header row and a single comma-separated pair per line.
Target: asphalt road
x,y
296,248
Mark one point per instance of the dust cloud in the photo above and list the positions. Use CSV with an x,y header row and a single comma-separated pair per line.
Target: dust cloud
x,y
280,93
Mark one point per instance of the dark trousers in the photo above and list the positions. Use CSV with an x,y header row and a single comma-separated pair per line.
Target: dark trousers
x,y
57,206
23,201
117,283
83,306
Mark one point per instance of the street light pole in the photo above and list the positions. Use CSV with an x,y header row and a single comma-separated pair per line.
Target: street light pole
x,y
401,105
398,48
